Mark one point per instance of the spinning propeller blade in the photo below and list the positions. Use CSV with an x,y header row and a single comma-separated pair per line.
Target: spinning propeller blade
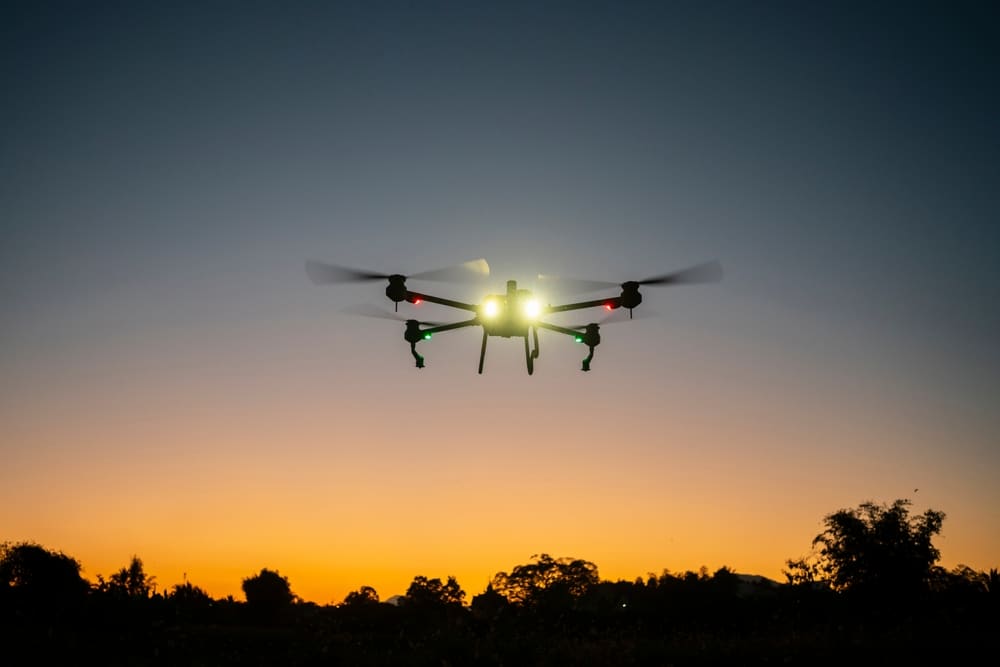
x,y
565,286
706,272
471,271
709,272
368,310
322,273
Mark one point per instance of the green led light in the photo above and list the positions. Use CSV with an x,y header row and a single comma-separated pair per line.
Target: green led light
x,y
427,336
578,339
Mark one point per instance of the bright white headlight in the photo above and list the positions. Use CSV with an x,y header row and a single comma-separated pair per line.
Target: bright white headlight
x,y
491,308
532,308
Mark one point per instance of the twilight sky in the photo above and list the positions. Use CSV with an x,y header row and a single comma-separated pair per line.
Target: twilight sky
x,y
173,386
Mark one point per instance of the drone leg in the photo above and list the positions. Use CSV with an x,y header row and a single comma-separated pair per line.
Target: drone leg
x,y
586,362
527,356
416,355
482,352
534,354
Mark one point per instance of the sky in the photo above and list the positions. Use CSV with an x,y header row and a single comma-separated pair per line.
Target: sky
x,y
174,387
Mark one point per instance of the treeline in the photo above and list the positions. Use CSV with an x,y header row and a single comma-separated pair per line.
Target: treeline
x,y
870,589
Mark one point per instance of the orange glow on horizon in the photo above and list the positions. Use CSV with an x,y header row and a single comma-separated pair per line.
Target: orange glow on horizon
x,y
340,473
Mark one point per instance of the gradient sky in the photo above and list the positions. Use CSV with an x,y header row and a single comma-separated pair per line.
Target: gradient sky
x,y
174,387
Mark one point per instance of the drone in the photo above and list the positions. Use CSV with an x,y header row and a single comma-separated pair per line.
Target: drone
x,y
516,313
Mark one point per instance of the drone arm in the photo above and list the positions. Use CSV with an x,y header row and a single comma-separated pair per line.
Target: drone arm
x,y
558,329
414,334
448,327
611,303
413,297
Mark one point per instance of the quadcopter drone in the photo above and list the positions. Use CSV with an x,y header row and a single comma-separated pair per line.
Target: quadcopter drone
x,y
516,313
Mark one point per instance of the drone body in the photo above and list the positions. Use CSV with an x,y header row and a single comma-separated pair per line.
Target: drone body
x,y
516,313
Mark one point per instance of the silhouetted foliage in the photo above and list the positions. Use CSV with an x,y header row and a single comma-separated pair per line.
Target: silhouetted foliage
x,y
963,582
364,595
188,602
551,611
268,594
129,582
489,604
875,550
36,580
431,592
546,581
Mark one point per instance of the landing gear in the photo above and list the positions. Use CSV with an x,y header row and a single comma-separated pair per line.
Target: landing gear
x,y
531,355
482,352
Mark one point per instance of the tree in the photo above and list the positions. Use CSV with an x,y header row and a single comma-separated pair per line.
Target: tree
x,y
268,594
962,579
189,602
362,596
189,593
489,604
129,582
36,578
545,579
873,550
431,592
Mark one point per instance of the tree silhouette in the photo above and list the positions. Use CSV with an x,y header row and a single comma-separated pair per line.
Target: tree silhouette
x,y
489,604
188,592
129,582
545,579
33,578
873,550
962,579
188,602
549,611
268,594
362,596
431,592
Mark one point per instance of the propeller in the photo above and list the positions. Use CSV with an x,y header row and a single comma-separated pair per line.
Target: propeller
x,y
368,310
706,272
322,273
557,285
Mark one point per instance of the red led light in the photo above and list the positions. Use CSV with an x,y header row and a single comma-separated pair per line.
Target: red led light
x,y
607,306
417,302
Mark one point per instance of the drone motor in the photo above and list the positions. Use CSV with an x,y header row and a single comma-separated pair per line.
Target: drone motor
x,y
630,297
396,289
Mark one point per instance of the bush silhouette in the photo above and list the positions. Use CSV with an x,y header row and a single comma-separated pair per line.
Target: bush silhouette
x,y
268,594
34,580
